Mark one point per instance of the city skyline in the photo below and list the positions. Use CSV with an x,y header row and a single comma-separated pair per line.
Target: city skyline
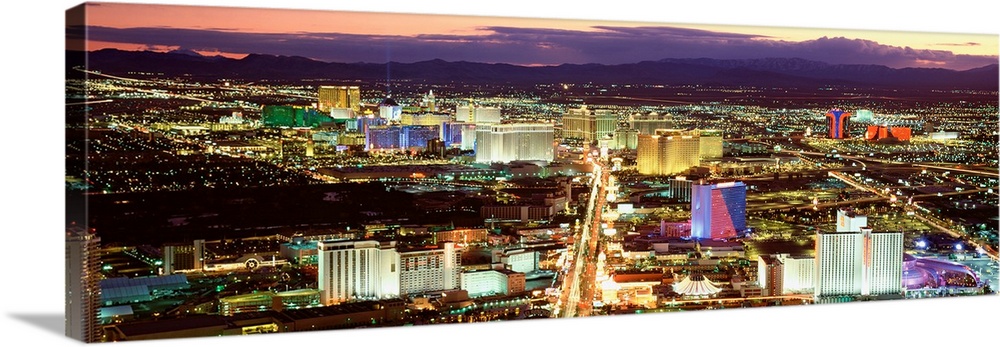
x,y
398,203
350,37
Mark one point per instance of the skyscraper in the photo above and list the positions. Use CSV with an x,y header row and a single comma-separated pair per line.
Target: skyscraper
x,y
345,97
390,110
839,123
855,261
648,123
514,141
471,113
710,144
780,274
415,137
426,270
180,256
459,135
357,270
588,125
383,138
83,290
668,152
718,211
429,102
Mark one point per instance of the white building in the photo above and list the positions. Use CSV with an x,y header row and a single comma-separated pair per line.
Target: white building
x,y
884,273
477,114
493,282
513,142
519,260
855,261
782,274
357,270
849,221
83,290
428,270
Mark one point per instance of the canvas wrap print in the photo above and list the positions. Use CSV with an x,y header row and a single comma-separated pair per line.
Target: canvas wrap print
x,y
293,170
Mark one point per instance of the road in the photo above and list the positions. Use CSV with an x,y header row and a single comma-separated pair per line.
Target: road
x,y
578,288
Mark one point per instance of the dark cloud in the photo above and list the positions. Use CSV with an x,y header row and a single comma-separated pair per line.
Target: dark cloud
x,y
606,45
959,44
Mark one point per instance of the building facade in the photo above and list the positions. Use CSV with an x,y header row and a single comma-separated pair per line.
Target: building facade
x,y
183,257
588,125
493,282
667,152
856,261
83,290
718,211
344,97
839,123
513,142
428,270
357,270
648,123
710,144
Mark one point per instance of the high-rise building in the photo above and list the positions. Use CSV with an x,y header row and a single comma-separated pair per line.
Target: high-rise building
x,y
471,113
383,138
429,102
668,152
883,263
83,290
343,97
850,221
839,123
183,256
648,123
423,119
514,141
588,125
493,282
517,259
710,144
718,211
390,110
427,270
293,116
459,135
855,261
357,270
780,274
416,137
625,139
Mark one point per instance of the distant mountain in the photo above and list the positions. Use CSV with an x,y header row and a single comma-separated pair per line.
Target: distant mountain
x,y
771,72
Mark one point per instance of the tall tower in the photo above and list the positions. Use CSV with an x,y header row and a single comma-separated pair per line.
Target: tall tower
x,y
839,123
668,152
430,102
856,261
718,211
357,270
589,125
83,290
345,97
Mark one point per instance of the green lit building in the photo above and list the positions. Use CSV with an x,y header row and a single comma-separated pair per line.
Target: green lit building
x,y
293,116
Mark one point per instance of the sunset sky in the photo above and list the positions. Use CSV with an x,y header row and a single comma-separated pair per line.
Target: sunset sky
x,y
377,38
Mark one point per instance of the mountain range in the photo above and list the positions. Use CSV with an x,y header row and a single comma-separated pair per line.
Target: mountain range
x,y
768,72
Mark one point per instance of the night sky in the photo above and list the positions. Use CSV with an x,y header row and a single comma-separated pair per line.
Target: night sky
x,y
377,38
